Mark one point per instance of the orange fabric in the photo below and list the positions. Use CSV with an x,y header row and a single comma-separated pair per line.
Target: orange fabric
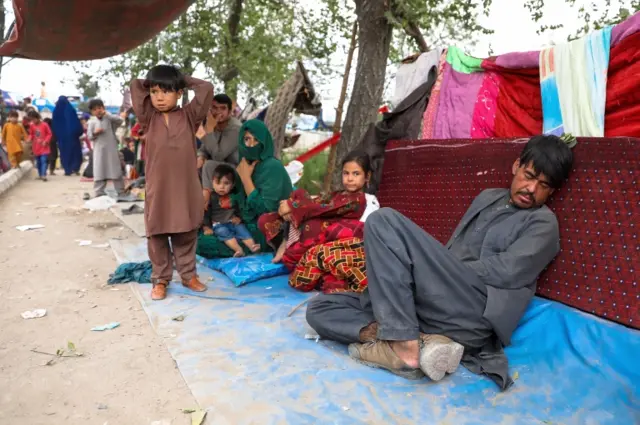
x,y
12,135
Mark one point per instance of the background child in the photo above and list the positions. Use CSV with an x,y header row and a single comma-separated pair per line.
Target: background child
x,y
53,147
13,134
173,198
106,160
222,216
313,221
40,135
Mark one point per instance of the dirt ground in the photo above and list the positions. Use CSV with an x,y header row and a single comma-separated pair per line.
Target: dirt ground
x,y
126,375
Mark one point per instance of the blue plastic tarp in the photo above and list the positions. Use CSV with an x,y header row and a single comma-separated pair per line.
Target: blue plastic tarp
x,y
247,362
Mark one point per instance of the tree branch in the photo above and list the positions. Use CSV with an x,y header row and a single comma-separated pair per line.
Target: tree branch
x,y
413,30
229,74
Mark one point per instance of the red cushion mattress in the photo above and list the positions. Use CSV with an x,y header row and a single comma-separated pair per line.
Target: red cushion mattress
x,y
434,181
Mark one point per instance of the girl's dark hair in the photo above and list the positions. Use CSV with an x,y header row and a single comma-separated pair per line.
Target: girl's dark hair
x,y
359,157
549,155
95,103
33,115
166,77
48,121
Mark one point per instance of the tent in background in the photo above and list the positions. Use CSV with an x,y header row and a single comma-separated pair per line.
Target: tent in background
x,y
44,30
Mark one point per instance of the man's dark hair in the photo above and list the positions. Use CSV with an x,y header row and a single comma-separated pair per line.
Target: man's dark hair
x,y
550,156
166,77
224,100
33,115
95,103
224,170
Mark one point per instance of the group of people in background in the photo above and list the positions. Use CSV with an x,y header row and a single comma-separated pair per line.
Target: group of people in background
x,y
209,199
66,139
43,141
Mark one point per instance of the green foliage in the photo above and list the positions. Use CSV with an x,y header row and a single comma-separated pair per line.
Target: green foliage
x,y
314,171
594,15
442,22
248,45
87,86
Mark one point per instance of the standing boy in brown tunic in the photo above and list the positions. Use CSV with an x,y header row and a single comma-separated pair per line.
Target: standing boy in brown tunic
x,y
173,198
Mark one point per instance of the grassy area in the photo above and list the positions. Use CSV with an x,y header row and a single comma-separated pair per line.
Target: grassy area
x,y
314,171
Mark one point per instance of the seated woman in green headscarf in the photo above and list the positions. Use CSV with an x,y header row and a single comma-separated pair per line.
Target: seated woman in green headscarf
x,y
263,182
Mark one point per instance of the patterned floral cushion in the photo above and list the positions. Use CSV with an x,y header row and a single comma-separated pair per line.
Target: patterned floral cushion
x,y
434,181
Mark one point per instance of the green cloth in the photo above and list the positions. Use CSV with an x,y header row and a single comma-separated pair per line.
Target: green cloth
x,y
272,184
462,62
132,272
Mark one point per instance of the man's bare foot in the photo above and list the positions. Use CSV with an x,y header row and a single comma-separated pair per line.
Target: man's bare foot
x,y
369,333
407,351
277,257
238,254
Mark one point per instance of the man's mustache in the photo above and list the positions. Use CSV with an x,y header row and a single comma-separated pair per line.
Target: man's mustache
x,y
526,193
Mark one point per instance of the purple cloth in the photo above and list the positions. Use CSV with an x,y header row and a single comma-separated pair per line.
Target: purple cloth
x,y
626,28
522,60
458,93
519,60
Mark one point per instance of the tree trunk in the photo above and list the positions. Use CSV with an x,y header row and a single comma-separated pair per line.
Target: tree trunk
x,y
337,125
233,27
231,88
187,65
187,68
2,29
374,40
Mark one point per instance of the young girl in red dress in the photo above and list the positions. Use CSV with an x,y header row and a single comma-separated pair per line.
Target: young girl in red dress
x,y
303,222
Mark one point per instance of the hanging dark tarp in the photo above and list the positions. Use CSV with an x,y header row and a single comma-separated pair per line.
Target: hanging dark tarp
x,y
65,30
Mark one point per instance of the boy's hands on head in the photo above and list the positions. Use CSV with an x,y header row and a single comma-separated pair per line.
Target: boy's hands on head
x,y
207,231
236,220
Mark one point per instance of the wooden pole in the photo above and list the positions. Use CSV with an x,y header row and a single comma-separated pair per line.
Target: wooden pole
x,y
331,163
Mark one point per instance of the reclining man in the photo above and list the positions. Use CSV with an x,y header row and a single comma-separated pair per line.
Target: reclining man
x,y
427,304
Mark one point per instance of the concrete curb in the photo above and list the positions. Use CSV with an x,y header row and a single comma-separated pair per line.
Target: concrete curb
x,y
12,177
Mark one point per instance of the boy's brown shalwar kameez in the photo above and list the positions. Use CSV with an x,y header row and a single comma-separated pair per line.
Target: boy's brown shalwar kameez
x,y
173,199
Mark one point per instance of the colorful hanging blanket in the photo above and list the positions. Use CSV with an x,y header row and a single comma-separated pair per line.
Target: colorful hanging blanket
x,y
573,82
502,96
337,266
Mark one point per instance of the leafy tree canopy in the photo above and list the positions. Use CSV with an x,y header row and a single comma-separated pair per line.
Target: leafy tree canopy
x,y
248,45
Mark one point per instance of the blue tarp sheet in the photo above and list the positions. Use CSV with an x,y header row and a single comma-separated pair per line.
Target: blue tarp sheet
x,y
247,362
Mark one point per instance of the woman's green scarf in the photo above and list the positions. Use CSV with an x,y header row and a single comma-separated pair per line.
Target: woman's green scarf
x,y
260,131
272,184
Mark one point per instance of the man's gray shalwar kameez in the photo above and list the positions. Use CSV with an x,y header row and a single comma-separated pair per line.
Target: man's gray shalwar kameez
x,y
219,147
473,290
